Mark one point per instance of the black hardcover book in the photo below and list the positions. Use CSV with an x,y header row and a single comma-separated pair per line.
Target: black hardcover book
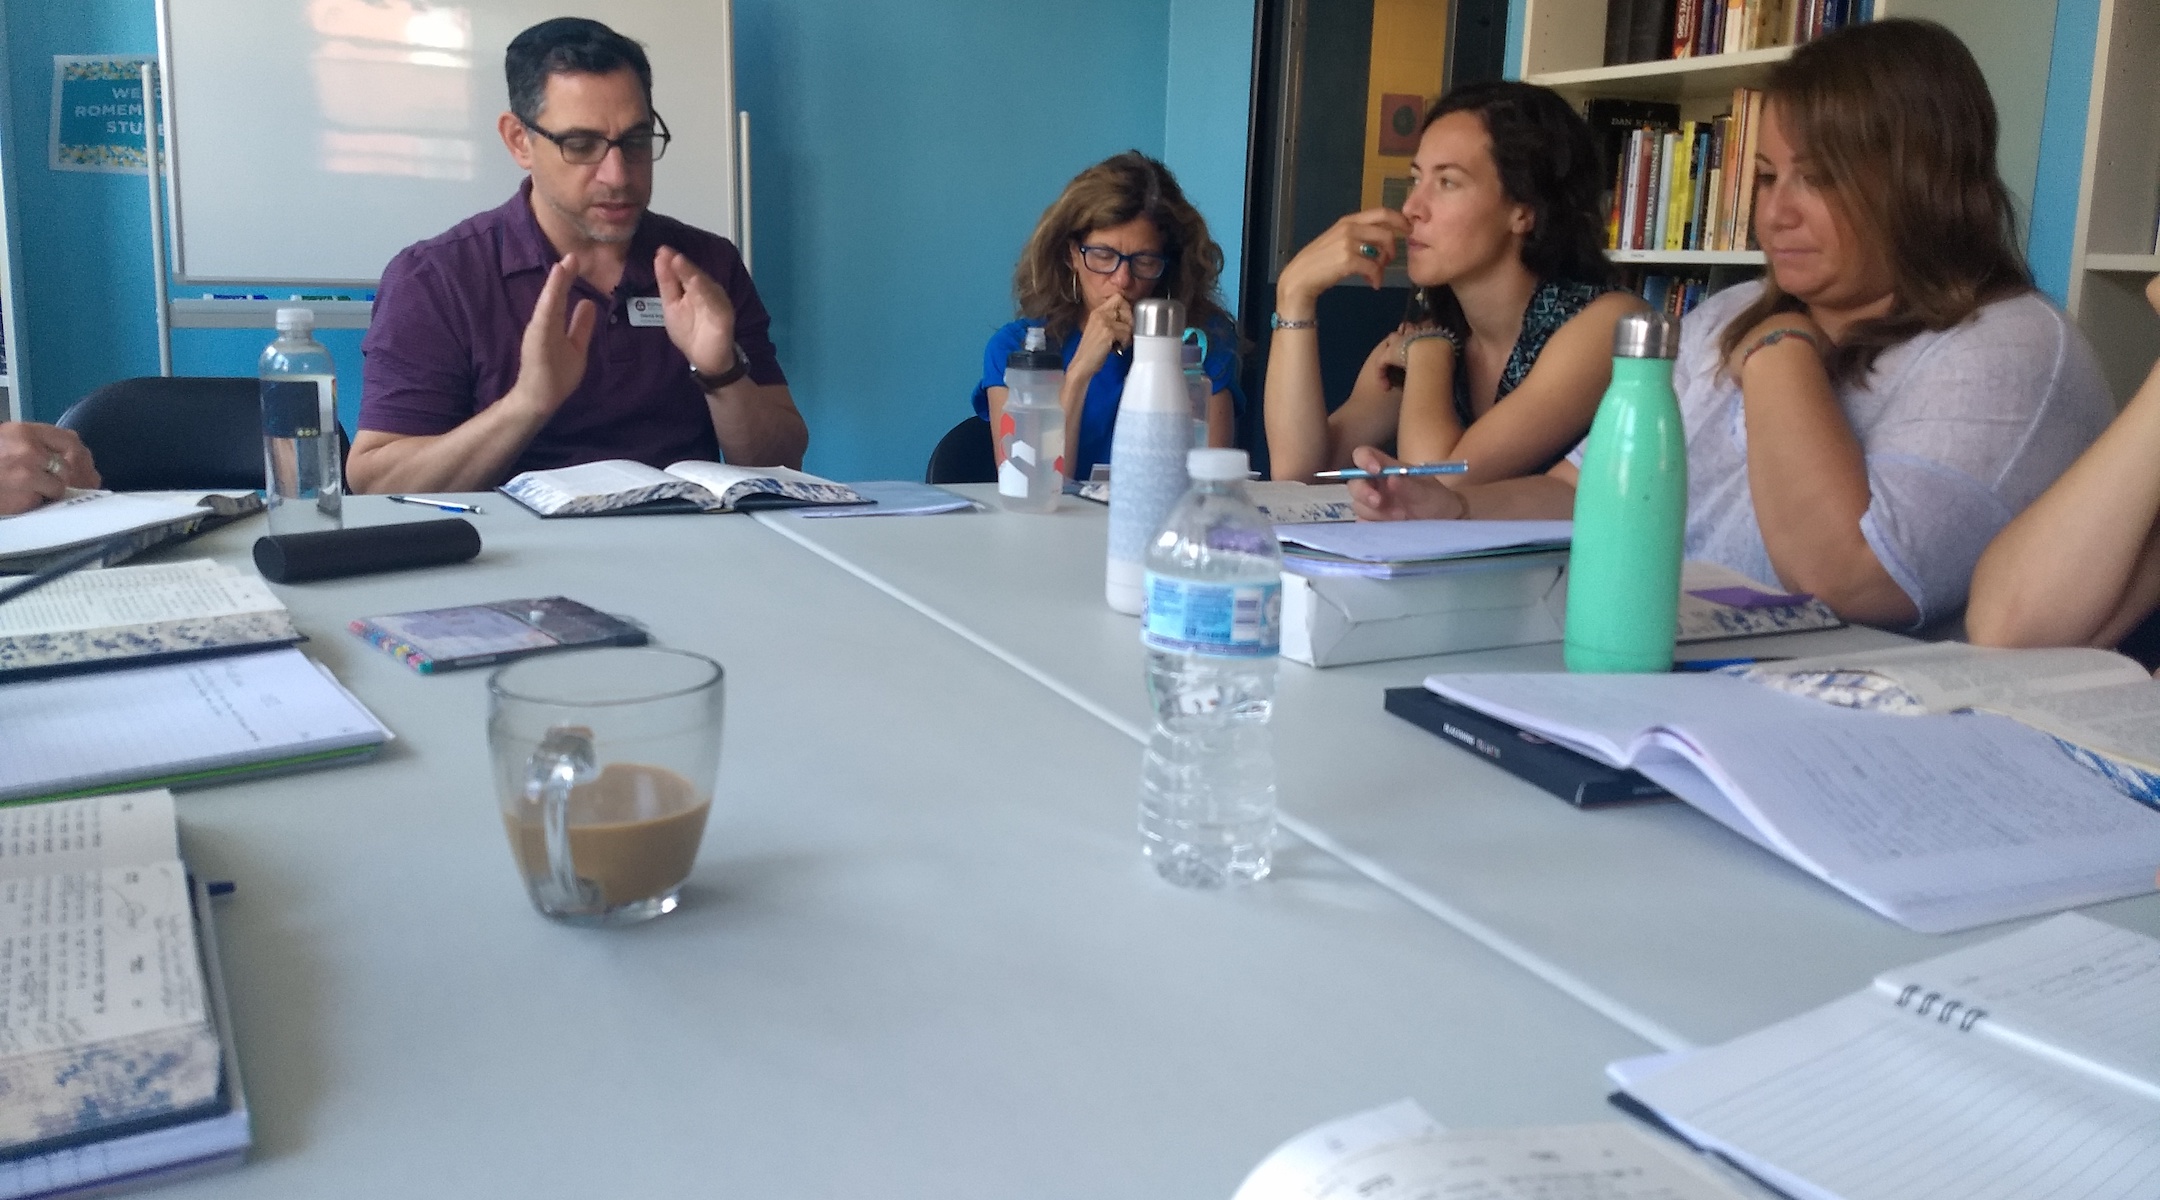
x,y
1611,121
1583,782
1619,24
1650,37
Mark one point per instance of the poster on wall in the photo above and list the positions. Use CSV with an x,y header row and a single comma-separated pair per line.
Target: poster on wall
x,y
97,113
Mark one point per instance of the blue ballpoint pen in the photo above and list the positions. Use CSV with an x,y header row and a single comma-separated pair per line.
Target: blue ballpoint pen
x,y
1456,467
444,505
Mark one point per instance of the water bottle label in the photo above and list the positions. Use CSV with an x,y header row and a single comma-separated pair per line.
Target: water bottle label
x,y
291,408
1225,620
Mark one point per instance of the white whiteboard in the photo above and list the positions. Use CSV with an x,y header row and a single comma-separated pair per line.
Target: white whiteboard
x,y
311,140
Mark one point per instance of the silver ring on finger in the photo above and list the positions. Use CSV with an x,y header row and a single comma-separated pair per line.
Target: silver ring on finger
x,y
55,464
1368,250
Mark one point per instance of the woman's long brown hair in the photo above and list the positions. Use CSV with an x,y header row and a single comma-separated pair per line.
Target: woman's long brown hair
x,y
1897,118
1106,195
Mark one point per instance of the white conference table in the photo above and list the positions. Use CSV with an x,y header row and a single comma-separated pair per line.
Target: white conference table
x,y
1654,915
920,955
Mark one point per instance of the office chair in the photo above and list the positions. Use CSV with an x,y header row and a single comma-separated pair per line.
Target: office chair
x,y
963,455
154,433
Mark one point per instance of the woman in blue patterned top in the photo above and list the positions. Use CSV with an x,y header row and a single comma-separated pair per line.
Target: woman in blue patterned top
x,y
1121,231
1505,233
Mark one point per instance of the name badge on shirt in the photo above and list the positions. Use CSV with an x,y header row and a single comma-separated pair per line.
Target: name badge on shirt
x,y
645,312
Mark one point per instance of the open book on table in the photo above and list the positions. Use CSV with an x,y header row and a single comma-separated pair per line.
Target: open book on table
x,y
115,1057
1397,1152
131,616
1936,822
33,540
2096,701
618,485
2028,1065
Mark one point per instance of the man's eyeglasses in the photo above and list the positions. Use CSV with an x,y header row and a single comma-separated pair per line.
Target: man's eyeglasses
x,y
583,149
1104,261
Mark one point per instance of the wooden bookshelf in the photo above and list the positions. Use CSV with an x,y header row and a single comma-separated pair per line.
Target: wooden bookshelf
x,y
2112,249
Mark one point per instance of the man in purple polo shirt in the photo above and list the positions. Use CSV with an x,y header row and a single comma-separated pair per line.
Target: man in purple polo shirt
x,y
570,324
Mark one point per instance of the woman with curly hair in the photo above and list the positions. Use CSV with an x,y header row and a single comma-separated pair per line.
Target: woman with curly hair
x,y
1120,232
1511,347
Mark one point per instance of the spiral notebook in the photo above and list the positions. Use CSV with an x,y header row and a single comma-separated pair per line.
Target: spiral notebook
x,y
2028,1065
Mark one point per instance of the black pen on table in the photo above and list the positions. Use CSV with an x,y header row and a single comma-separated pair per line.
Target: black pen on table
x,y
83,557
444,505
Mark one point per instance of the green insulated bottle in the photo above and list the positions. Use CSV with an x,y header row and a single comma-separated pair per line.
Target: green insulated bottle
x,y
1623,596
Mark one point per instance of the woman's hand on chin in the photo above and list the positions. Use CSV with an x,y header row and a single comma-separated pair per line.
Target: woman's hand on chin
x,y
1401,497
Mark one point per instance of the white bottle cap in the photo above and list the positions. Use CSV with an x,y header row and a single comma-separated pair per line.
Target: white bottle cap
x,y
295,318
1215,465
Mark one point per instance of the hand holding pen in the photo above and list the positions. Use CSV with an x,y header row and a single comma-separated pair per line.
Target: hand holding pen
x,y
1383,489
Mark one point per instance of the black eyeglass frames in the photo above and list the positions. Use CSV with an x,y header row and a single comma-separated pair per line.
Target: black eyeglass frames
x,y
1104,261
581,148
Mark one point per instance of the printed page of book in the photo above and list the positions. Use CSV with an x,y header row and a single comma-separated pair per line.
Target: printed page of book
x,y
1863,1101
96,937
120,597
600,487
2073,988
2097,699
1397,1152
82,731
1291,502
731,483
86,517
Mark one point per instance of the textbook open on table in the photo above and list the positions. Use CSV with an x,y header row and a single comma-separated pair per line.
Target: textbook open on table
x,y
1937,822
619,485
116,1052
2025,1066
132,616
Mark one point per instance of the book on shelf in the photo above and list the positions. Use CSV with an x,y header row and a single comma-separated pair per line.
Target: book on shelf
x,y
133,616
1648,30
31,541
1679,185
2026,1065
2099,704
1938,823
116,1048
179,724
620,486
1398,1150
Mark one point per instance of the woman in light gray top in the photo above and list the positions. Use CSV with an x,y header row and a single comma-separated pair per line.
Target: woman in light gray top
x,y
2081,567
1864,419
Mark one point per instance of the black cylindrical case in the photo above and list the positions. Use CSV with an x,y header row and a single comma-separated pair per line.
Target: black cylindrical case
x,y
332,553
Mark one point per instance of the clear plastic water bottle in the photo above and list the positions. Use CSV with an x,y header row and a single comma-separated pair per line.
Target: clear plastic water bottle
x,y
1213,632
304,476
1198,387
1031,431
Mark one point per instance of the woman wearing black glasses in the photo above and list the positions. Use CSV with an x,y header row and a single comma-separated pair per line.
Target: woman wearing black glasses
x,y
1510,344
1120,232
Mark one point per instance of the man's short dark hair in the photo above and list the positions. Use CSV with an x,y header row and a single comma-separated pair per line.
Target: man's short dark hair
x,y
563,45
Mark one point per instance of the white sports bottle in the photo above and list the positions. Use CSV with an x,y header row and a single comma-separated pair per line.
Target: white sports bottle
x,y
1147,454
1031,431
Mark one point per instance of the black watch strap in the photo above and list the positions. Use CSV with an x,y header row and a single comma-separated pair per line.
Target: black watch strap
x,y
713,383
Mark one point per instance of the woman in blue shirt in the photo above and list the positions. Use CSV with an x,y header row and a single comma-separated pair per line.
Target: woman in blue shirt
x,y
1121,232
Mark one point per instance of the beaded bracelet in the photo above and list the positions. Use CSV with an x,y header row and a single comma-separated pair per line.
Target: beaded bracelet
x,y
1779,334
1427,334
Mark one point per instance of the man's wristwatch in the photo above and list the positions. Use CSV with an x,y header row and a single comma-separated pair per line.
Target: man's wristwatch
x,y
713,383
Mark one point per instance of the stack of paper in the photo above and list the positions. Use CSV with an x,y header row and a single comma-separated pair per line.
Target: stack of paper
x,y
1399,549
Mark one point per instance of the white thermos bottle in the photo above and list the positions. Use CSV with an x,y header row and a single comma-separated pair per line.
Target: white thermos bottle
x,y
1147,454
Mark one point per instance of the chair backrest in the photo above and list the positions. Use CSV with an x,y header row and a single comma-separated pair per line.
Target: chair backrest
x,y
168,433
963,455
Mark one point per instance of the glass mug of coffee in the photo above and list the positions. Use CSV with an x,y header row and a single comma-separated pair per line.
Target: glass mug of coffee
x,y
604,766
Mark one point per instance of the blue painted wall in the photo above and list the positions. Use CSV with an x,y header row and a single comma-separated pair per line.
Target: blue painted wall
x,y
2062,145
904,149
1207,106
